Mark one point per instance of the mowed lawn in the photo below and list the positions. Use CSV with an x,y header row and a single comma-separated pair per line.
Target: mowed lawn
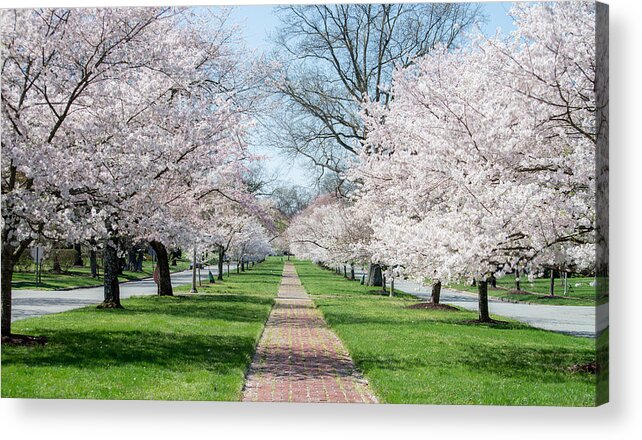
x,y
580,292
437,357
81,277
186,347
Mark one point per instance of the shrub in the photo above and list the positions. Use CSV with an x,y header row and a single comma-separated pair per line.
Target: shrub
x,y
62,259
25,263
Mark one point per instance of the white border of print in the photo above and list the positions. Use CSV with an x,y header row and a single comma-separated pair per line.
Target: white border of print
x,y
76,419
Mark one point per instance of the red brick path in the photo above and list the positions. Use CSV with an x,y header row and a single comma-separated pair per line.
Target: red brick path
x,y
299,359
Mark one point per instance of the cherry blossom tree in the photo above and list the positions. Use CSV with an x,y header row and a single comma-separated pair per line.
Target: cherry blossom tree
x,y
58,70
250,240
330,231
484,160
114,121
228,216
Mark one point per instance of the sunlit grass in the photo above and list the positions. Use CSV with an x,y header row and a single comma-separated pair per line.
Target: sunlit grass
x,y
187,347
440,357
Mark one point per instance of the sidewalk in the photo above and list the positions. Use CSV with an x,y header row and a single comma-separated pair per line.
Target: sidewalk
x,y
299,359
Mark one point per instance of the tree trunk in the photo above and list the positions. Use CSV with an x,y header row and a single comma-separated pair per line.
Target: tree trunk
x,y
56,263
93,263
78,249
517,285
436,292
482,287
345,271
221,256
392,286
383,283
131,257
111,267
9,255
375,277
139,260
8,263
552,286
194,264
164,276
352,272
122,262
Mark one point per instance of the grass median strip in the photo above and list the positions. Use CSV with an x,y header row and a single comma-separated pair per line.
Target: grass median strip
x,y
580,291
439,357
186,347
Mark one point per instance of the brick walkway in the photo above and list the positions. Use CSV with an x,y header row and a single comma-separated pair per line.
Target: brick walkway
x,y
299,359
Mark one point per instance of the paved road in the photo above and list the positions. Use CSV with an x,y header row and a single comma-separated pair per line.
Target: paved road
x,y
31,303
573,320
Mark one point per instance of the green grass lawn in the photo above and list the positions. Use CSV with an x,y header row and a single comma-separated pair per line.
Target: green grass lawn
x,y
537,291
438,357
187,347
80,277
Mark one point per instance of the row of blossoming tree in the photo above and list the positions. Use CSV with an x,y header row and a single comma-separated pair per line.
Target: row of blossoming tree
x,y
126,124
482,163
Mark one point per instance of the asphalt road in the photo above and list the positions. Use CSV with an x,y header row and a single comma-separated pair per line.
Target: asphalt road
x,y
32,303
572,320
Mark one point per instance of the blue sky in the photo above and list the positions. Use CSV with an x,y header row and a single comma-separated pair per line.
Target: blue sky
x,y
257,21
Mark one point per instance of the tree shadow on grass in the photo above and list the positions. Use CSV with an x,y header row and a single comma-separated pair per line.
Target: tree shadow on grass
x,y
549,364
337,313
26,285
100,349
543,365
232,308
438,317
506,358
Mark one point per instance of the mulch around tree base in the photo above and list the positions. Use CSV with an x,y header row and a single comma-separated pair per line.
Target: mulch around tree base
x,y
519,292
539,296
24,340
109,305
432,306
558,297
491,322
590,368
